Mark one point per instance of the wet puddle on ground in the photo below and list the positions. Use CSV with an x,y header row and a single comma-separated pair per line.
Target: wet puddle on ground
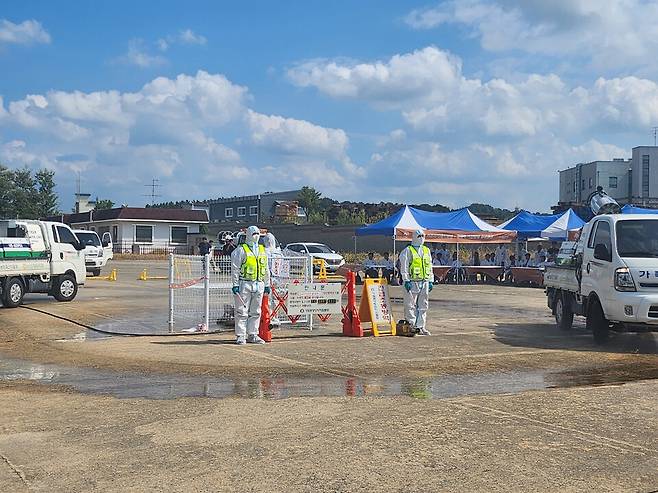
x,y
153,386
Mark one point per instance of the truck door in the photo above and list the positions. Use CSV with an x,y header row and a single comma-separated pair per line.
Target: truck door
x,y
598,272
106,241
65,255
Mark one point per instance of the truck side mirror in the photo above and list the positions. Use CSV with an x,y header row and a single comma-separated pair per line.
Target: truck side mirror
x,y
105,243
78,246
601,252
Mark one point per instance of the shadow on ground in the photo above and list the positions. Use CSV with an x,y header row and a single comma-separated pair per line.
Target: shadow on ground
x,y
547,336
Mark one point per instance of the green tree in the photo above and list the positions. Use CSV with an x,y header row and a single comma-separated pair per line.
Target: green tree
x,y
25,195
45,193
102,204
6,192
309,198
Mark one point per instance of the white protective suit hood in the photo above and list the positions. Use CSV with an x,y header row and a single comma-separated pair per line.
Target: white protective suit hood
x,y
252,235
418,238
269,242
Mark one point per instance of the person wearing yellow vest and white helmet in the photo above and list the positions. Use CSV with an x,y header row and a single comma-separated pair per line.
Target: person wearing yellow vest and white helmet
x,y
418,278
251,278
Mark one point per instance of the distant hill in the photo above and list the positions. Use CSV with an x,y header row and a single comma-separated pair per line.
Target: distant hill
x,y
347,212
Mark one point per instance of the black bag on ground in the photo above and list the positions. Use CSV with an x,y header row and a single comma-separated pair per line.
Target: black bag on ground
x,y
404,328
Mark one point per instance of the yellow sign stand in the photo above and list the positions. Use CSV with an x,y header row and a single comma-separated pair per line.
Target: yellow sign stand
x,y
375,307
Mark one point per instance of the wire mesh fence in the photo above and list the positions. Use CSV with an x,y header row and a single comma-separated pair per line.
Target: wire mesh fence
x,y
200,290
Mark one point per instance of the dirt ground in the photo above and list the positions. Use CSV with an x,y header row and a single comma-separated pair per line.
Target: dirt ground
x,y
497,399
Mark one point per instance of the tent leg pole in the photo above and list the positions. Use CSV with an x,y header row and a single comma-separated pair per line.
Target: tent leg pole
x,y
457,272
395,260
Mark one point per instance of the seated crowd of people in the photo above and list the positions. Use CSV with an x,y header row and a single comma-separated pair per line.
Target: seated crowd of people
x,y
441,256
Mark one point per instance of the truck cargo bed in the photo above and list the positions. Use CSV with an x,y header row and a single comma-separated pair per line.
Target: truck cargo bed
x,y
24,267
561,277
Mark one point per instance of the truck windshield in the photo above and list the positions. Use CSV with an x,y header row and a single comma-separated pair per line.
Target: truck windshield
x,y
89,239
637,238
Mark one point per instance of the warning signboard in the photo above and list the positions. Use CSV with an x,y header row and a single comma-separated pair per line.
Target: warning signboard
x,y
314,299
376,307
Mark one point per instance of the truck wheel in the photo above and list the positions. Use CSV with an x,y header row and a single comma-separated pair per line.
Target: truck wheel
x,y
65,288
96,272
563,313
597,323
13,293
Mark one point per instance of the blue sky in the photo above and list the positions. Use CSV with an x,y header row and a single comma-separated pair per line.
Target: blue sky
x,y
439,102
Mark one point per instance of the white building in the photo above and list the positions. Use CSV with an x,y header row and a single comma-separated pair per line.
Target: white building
x,y
628,181
142,230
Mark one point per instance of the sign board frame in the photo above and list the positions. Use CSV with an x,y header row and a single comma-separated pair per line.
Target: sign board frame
x,y
375,307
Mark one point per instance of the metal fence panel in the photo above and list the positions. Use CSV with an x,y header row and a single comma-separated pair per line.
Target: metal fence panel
x,y
197,287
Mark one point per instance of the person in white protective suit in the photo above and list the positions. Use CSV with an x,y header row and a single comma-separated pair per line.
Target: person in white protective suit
x,y
418,279
273,253
250,274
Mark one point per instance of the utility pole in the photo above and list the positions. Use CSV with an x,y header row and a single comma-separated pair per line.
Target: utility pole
x,y
154,188
654,131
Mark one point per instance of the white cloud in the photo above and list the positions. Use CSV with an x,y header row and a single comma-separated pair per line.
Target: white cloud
x,y
184,37
611,35
291,136
187,36
139,55
182,130
27,32
421,75
434,96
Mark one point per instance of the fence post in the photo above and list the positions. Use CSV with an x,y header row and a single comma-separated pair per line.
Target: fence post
x,y
309,259
171,292
206,291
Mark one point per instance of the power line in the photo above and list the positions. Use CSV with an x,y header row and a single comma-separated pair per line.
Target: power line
x,y
154,187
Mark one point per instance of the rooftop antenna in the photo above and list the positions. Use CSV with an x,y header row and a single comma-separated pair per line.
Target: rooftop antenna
x,y
154,188
654,130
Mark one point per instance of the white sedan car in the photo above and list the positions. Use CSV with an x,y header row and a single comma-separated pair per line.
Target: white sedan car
x,y
331,259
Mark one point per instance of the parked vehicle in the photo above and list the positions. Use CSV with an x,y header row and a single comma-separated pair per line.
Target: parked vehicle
x,y
39,257
610,276
333,261
97,252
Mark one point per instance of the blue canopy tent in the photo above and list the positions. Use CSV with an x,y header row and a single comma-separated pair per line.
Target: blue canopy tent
x,y
631,209
460,226
553,227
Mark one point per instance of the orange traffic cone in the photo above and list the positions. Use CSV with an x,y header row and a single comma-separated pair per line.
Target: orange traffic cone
x,y
264,328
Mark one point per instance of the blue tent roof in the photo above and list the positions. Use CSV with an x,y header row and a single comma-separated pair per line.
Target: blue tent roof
x,y
528,225
411,218
555,226
631,209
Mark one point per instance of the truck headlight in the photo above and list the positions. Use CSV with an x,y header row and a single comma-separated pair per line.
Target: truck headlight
x,y
624,280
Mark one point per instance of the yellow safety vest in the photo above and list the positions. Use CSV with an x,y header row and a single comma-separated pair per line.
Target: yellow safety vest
x,y
254,267
420,268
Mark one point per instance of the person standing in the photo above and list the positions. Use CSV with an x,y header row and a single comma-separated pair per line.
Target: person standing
x,y
250,274
274,255
418,278
229,245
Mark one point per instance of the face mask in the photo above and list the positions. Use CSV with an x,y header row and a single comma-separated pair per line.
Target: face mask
x,y
255,238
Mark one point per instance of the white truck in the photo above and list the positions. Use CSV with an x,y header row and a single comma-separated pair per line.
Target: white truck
x,y
39,257
610,277
97,252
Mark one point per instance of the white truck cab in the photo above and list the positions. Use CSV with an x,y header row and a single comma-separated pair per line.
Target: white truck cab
x,y
39,257
613,280
97,252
